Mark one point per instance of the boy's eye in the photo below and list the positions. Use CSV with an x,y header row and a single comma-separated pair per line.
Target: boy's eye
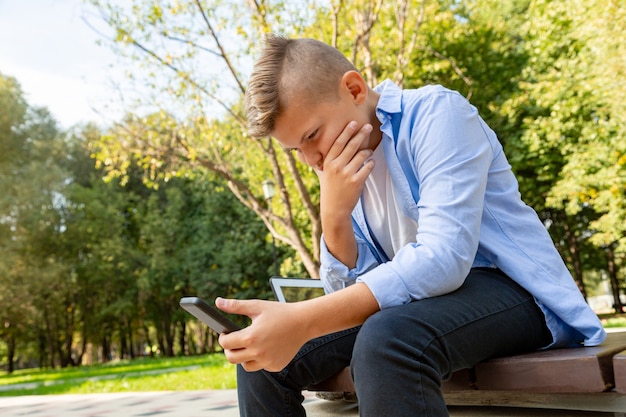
x,y
312,135
309,138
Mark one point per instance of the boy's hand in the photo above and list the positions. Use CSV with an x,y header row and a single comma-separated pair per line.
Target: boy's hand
x,y
346,167
345,170
271,341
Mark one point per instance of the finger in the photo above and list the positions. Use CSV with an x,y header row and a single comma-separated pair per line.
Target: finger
x,y
341,141
231,341
241,307
361,137
243,356
365,170
254,365
352,147
359,160
352,158
359,170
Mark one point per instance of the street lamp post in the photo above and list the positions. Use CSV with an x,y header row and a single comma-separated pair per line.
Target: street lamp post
x,y
268,192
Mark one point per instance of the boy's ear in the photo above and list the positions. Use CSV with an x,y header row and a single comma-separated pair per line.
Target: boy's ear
x,y
354,83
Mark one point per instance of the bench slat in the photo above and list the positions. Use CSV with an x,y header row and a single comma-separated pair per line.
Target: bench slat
x,y
575,370
600,401
619,367
588,369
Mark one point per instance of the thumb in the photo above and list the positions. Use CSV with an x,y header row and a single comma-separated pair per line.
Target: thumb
x,y
232,306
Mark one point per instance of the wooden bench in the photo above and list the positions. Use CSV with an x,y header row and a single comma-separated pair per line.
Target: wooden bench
x,y
582,379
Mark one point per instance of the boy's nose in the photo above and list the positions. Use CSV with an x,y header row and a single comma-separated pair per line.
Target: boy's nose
x,y
313,159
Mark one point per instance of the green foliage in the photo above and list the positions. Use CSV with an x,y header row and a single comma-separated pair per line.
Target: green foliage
x,y
564,130
565,112
14,113
199,241
87,262
32,185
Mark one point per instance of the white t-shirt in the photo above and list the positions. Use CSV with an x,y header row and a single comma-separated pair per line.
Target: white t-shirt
x,y
391,227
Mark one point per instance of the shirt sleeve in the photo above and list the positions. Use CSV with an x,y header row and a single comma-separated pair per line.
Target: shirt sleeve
x,y
335,275
452,155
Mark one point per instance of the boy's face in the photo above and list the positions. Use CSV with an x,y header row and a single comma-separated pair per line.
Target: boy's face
x,y
311,129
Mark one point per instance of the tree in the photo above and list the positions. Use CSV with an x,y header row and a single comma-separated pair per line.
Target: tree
x,y
88,262
173,38
564,129
33,281
174,43
200,242
12,114
529,66
139,247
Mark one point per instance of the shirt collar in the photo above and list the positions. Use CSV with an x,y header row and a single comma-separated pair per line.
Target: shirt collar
x,y
390,100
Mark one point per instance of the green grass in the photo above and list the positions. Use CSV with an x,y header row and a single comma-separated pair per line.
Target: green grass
x,y
146,374
614,322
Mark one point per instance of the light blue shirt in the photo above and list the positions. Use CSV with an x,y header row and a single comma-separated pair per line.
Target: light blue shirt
x,y
454,180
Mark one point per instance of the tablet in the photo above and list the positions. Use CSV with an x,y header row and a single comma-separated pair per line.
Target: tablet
x,y
288,290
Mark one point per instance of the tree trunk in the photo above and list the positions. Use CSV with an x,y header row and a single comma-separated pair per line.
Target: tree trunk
x,y
43,355
573,250
161,341
615,287
106,349
148,340
83,348
182,338
50,340
131,339
169,336
123,342
11,353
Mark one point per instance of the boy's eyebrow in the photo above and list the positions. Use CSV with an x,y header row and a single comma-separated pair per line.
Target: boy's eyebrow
x,y
287,148
302,139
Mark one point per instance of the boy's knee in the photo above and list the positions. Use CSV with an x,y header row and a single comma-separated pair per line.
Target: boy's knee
x,y
386,332
388,339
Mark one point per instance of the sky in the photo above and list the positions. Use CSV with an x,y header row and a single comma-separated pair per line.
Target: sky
x,y
47,46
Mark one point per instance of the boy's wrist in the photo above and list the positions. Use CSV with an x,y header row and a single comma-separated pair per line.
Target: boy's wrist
x,y
340,241
338,311
337,226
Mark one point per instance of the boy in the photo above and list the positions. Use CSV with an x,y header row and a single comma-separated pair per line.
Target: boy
x,y
430,259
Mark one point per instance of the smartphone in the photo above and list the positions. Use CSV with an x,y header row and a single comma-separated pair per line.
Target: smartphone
x,y
208,315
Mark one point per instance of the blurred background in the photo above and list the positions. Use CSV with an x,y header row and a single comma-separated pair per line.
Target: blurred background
x,y
127,179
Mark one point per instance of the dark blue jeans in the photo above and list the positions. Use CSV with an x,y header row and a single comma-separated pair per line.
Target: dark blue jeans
x,y
400,355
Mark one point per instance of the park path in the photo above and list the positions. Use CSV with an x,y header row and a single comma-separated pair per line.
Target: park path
x,y
210,403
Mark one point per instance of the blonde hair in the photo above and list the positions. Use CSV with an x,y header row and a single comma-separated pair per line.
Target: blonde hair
x,y
287,68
